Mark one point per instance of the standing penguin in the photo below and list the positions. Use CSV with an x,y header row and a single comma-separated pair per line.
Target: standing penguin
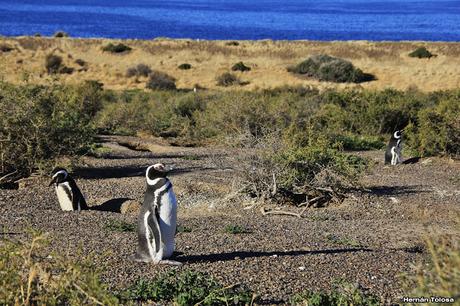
x,y
69,195
393,151
157,219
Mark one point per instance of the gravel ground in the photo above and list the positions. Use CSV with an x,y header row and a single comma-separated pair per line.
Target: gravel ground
x,y
369,239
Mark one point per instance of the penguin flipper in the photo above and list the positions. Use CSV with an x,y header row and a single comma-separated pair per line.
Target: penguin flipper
x,y
154,233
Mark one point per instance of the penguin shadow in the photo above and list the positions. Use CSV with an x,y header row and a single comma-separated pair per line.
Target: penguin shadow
x,y
382,191
112,205
209,258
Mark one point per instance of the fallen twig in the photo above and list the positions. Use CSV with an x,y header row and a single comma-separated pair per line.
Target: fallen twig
x,y
8,175
265,212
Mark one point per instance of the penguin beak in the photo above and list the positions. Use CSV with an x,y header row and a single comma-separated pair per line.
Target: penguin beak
x,y
52,181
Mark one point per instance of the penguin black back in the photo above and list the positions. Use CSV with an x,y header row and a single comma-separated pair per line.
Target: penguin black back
x,y
69,195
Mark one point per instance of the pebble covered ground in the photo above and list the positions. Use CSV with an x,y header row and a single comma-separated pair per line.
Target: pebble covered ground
x,y
370,239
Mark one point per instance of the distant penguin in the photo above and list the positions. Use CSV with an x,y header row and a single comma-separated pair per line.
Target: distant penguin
x,y
68,193
157,219
393,151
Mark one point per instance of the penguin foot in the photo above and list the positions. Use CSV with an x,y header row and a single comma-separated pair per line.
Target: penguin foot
x,y
138,258
169,262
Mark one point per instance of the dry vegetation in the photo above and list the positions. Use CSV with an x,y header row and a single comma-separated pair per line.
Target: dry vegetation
x,y
389,62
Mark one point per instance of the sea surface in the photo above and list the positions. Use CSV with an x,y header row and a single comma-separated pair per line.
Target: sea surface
x,y
235,19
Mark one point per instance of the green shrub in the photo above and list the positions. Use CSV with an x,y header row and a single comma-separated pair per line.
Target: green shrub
x,y
186,288
227,79
356,142
183,229
139,70
440,276
235,229
421,52
184,66
161,81
53,63
232,43
344,294
32,276
328,68
80,62
6,48
240,66
61,34
438,130
119,226
117,48
39,123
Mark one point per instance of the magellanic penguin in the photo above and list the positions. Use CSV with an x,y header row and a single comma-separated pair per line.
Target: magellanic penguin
x,y
69,195
393,151
157,219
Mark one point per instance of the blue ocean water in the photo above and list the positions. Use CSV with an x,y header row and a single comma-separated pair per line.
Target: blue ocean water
x,y
434,20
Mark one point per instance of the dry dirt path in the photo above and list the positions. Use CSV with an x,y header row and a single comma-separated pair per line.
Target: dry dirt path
x,y
369,239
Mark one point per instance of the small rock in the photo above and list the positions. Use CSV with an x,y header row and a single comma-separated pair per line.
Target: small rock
x,y
302,268
130,207
394,200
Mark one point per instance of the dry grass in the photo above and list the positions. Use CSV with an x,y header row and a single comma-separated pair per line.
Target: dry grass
x,y
388,61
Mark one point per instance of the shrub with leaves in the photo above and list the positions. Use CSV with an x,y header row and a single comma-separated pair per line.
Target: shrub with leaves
x,y
327,68
186,288
53,63
39,123
284,172
421,52
61,34
30,275
5,48
161,81
441,275
227,79
184,66
116,48
240,66
139,70
344,294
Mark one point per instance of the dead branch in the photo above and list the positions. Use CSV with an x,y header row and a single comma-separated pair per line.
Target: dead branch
x,y
265,212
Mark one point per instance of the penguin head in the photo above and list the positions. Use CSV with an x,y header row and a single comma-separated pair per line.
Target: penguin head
x,y
58,175
397,134
155,171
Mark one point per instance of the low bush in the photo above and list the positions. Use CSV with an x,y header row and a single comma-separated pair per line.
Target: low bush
x,y
61,34
186,288
440,275
232,43
39,123
139,70
80,62
240,66
332,69
116,48
30,275
227,79
343,294
53,63
184,66
421,52
235,229
437,130
161,81
6,48
119,226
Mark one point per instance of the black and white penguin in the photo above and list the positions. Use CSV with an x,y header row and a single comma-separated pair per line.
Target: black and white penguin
x,y
393,151
69,195
157,219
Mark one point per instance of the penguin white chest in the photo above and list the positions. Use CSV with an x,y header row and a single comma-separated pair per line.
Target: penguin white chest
x,y
167,222
64,195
